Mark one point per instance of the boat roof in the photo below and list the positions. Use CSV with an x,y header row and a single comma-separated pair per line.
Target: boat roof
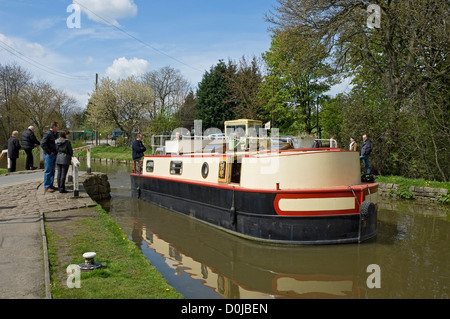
x,y
242,121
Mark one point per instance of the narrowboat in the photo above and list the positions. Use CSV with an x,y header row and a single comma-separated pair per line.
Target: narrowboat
x,y
279,190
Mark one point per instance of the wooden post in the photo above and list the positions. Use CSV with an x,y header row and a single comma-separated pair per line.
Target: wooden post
x,y
76,165
70,175
76,191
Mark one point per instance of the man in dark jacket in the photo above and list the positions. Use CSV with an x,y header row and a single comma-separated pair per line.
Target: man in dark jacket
x,y
366,149
13,150
29,141
49,146
138,150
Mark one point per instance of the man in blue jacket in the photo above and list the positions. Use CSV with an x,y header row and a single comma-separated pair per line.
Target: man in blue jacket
x,y
366,149
48,144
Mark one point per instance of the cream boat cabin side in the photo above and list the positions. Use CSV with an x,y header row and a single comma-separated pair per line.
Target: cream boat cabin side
x,y
293,196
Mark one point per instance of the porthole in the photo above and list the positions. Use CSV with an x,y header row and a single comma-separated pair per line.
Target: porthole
x,y
205,170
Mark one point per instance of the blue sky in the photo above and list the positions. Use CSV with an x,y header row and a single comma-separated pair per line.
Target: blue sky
x,y
118,38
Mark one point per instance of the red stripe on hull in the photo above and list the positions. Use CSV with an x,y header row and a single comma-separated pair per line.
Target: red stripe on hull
x,y
358,192
357,188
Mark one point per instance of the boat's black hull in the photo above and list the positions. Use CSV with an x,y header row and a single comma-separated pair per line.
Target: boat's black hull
x,y
252,214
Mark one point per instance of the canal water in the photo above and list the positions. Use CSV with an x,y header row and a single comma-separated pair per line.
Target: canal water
x,y
409,258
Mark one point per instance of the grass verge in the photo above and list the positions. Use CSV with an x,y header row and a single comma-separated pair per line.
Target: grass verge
x,y
413,182
119,153
126,273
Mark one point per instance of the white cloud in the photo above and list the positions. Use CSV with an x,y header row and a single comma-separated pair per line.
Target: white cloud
x,y
19,47
47,65
108,11
123,68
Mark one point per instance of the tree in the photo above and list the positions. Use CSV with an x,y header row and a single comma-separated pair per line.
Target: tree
x,y
244,78
44,104
170,89
13,80
186,114
127,104
298,78
213,97
400,69
24,102
331,119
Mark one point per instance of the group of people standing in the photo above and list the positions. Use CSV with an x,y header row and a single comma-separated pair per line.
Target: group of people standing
x,y
57,152
366,150
29,141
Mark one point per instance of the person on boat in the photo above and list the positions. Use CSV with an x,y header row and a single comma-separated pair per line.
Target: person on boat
x,y
353,145
138,150
317,144
333,142
366,150
177,136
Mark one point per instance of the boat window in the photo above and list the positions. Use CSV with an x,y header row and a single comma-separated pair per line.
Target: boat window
x,y
150,166
235,129
176,167
205,170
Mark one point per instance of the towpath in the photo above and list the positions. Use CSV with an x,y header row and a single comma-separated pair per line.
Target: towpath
x,y
24,272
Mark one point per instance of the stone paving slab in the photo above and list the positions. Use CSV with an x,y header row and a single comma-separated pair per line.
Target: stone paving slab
x,y
22,274
23,203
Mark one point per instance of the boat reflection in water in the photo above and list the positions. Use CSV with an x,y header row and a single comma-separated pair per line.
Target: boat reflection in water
x,y
236,268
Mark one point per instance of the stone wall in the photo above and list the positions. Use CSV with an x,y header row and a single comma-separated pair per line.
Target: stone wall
x,y
96,185
422,193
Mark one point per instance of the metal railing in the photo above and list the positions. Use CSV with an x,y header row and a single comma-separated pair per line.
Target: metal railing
x,y
86,148
75,167
247,143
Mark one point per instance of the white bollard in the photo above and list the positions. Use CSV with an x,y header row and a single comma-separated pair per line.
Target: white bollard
x,y
89,262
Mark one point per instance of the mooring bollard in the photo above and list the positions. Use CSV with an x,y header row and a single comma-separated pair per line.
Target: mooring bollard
x,y
89,262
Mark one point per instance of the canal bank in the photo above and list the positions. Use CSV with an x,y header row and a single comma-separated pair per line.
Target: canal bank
x,y
42,233
421,193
